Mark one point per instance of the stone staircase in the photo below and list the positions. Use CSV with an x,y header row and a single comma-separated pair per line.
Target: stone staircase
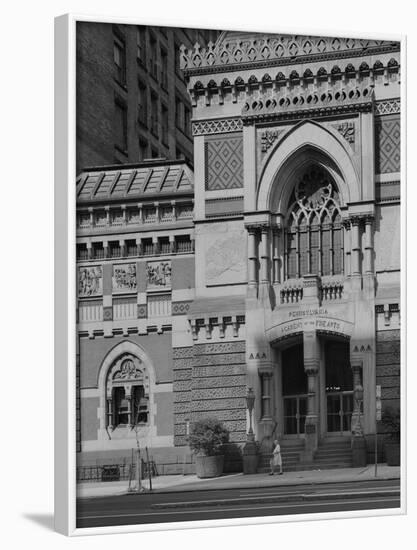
x,y
290,452
332,452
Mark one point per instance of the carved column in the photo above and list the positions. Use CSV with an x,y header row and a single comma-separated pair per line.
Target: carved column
x,y
276,255
252,256
311,368
89,250
347,241
264,274
356,248
110,413
172,244
369,246
266,378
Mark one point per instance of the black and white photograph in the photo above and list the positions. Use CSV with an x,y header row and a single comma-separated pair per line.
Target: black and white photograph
x,y
238,274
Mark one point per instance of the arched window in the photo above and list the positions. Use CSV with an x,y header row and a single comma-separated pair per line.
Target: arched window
x,y
314,237
127,391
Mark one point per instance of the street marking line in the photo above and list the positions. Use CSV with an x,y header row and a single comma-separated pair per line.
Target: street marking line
x,y
293,505
297,496
317,492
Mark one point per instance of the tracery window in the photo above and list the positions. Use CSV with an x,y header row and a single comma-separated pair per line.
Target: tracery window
x,y
127,392
314,232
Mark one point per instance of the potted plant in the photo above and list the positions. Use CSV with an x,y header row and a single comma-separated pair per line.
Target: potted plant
x,y
206,439
391,421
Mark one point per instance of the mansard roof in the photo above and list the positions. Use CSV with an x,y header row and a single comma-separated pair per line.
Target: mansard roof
x,y
234,49
149,179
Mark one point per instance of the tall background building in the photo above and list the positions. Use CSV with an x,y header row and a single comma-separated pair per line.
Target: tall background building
x,y
132,101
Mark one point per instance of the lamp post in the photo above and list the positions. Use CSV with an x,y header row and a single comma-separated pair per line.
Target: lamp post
x,y
358,440
250,450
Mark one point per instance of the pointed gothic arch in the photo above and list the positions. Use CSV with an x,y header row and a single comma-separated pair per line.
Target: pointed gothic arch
x,y
305,143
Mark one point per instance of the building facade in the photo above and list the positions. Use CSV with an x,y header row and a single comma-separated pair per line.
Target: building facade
x,y
132,100
282,275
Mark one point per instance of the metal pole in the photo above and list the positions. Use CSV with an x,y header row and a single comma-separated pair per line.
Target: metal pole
x,y
376,452
149,469
138,471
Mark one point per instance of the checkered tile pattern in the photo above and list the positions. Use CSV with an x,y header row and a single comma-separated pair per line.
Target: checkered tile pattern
x,y
224,162
387,145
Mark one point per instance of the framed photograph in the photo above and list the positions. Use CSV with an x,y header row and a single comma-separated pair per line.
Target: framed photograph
x,y
229,289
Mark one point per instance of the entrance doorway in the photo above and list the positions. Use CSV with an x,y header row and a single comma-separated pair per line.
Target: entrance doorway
x,y
339,388
294,391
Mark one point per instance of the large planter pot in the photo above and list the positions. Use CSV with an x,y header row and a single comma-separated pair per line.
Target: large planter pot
x,y
209,466
392,453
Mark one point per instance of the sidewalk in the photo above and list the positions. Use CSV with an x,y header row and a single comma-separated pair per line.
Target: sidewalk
x,y
180,483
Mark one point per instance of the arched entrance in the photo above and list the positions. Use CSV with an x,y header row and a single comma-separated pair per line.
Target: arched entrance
x,y
334,389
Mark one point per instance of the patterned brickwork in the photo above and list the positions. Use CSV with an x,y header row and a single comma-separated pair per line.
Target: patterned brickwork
x,y
224,162
210,380
387,144
388,367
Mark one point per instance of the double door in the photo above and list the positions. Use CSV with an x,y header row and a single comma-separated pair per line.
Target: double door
x,y
295,411
339,412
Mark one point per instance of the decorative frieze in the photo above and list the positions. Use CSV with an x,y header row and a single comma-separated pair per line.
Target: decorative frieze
x,y
295,104
388,107
274,50
219,126
181,308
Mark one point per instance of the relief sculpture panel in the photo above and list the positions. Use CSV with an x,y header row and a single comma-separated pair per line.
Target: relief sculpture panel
x,y
90,281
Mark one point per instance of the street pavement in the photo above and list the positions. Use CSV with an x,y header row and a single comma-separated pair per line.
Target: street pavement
x,y
180,483
197,502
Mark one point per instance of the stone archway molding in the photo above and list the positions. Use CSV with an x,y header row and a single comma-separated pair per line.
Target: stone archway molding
x,y
125,347
313,139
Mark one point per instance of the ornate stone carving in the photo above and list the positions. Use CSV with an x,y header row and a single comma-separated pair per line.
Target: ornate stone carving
x,y
222,126
268,137
90,281
346,130
124,278
128,371
158,275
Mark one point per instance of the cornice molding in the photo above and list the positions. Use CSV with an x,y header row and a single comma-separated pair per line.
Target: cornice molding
x,y
275,51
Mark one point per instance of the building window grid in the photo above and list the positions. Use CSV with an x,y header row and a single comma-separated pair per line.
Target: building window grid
x,y
181,244
164,69
120,125
142,103
119,54
141,45
153,59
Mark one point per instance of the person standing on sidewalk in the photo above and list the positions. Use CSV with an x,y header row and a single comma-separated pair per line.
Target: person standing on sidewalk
x,y
276,459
